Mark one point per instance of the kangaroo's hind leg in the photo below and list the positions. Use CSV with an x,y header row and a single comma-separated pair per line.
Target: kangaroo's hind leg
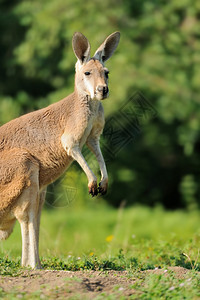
x,y
26,210
41,202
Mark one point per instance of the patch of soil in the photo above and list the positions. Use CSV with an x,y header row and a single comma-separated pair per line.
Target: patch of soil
x,y
83,284
179,271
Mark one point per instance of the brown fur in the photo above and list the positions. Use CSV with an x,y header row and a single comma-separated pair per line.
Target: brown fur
x,y
14,174
43,145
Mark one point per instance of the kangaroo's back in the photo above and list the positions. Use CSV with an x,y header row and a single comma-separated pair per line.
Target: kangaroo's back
x,y
39,133
38,128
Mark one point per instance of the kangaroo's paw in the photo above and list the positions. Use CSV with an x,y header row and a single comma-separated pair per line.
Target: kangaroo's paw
x,y
103,186
93,190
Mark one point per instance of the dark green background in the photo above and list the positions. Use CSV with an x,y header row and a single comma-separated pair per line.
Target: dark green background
x,y
158,61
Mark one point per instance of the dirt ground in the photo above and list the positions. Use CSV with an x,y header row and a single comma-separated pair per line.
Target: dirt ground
x,y
76,285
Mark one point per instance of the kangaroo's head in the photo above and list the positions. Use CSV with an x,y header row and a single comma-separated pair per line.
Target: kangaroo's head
x,y
91,75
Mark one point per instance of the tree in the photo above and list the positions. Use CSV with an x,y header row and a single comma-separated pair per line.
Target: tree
x,y
158,57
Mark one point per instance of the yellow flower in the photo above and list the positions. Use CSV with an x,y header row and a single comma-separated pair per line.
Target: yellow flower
x,y
109,238
91,253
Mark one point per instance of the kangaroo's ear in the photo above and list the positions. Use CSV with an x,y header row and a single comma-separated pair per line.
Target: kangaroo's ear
x,y
81,47
107,48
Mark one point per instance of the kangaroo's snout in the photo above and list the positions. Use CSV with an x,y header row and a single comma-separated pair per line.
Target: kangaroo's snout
x,y
103,89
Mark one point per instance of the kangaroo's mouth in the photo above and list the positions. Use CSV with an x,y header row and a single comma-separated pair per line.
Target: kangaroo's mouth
x,y
100,96
105,96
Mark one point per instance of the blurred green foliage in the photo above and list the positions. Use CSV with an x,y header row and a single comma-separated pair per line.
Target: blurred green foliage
x,y
159,55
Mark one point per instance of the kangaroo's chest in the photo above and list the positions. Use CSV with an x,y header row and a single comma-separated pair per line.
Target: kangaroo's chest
x,y
87,131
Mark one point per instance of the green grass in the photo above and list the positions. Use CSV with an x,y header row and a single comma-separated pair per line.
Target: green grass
x,y
167,286
140,236
101,238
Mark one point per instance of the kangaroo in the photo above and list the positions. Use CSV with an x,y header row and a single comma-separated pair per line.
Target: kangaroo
x,y
36,148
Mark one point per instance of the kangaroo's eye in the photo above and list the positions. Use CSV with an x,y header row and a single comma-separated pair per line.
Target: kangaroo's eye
x,y
106,74
87,73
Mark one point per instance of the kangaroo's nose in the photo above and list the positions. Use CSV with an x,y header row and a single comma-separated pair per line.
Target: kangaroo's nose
x,y
103,89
